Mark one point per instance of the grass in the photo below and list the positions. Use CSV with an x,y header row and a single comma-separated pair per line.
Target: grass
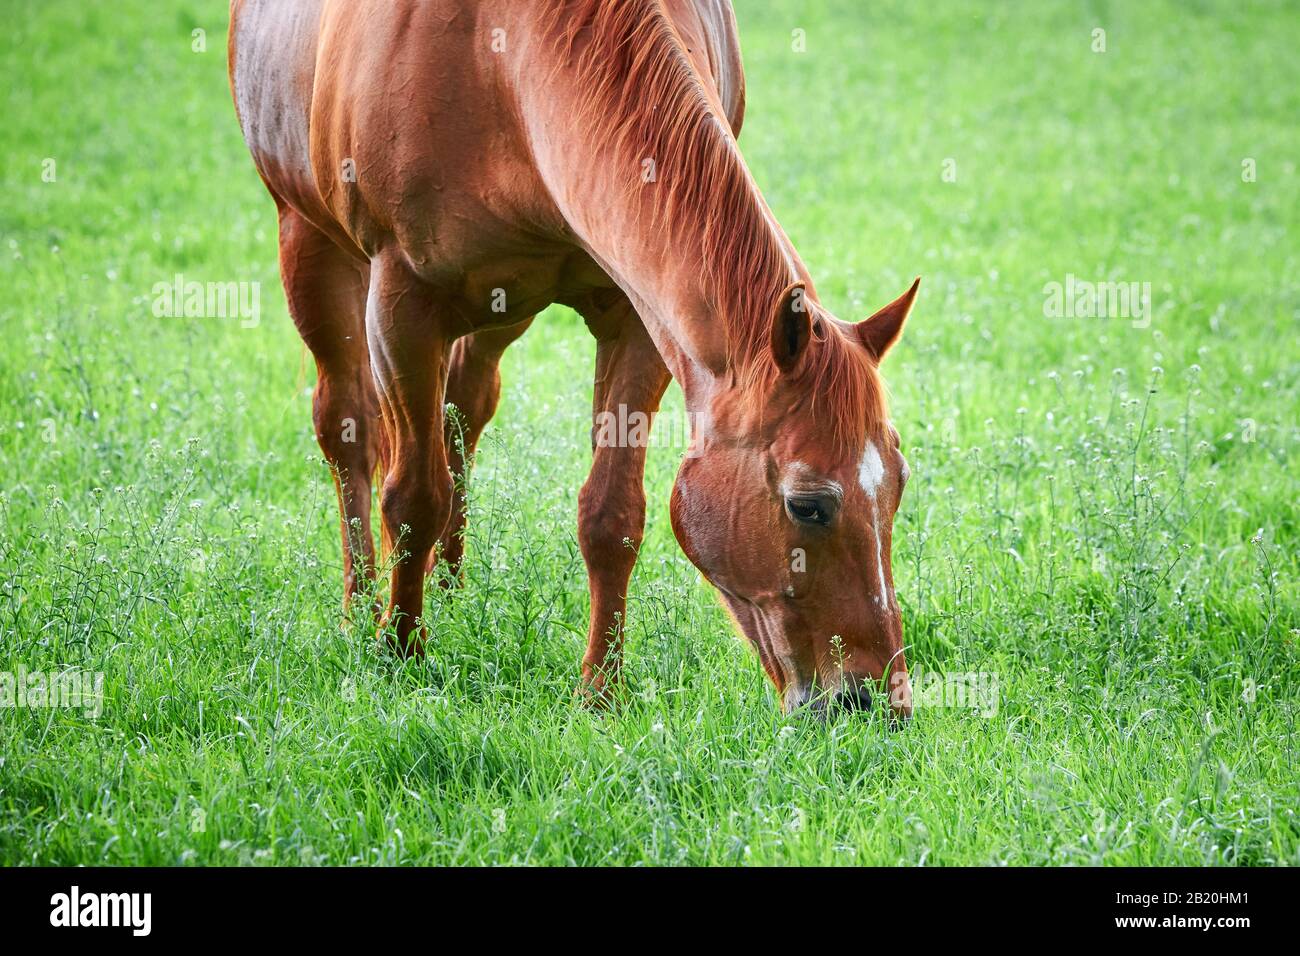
x,y
1103,516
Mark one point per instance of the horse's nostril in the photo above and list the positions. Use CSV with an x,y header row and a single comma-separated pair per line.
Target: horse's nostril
x,y
854,698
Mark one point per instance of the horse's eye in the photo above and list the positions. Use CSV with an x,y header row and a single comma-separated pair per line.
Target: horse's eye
x,y
807,510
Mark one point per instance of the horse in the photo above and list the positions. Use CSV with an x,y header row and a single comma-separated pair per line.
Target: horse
x,y
444,171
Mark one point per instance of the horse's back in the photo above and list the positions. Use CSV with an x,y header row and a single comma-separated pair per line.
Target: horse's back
x,y
411,97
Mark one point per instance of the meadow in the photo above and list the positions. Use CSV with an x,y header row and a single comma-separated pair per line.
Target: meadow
x,y
1102,522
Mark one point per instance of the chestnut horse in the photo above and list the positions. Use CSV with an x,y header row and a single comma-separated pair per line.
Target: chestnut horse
x,y
445,170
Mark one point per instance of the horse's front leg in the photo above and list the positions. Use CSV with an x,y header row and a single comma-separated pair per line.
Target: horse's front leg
x,y
611,505
410,333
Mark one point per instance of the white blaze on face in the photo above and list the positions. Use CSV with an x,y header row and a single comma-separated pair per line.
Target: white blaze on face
x,y
871,471
871,474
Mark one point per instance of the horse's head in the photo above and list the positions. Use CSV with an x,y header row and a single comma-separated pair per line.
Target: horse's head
x,y
787,507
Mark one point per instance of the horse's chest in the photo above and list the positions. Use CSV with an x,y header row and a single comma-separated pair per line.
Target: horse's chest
x,y
510,287
502,278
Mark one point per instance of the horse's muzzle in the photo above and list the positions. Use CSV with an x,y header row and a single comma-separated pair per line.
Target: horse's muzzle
x,y
856,697
853,698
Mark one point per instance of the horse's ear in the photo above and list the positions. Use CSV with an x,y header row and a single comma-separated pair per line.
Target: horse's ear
x,y
881,331
791,327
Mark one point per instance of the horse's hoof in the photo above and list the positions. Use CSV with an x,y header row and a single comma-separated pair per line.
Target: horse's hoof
x,y
595,694
406,645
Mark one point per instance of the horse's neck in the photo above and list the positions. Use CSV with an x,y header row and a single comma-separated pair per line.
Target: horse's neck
x,y
668,287
668,265
670,272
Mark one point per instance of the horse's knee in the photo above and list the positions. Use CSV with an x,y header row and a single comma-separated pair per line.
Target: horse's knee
x,y
416,507
347,424
611,522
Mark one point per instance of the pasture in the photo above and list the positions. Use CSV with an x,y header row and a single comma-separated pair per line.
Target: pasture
x,y
1096,556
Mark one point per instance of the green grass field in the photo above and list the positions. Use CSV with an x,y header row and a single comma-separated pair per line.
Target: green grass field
x,y
1102,519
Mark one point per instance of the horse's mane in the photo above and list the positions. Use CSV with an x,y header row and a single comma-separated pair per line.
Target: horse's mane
x,y
641,97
